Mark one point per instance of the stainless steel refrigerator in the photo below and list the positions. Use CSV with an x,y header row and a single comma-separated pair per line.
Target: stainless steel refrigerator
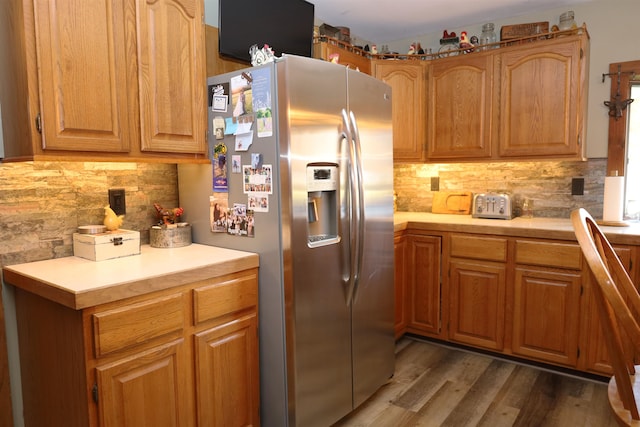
x,y
302,173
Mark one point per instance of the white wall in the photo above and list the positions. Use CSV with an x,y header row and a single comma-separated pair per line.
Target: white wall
x,y
211,12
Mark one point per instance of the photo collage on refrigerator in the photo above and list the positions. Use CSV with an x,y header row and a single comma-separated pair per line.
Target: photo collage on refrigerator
x,y
247,96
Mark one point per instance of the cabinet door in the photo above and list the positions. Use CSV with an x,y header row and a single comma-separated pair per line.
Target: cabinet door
x,y
477,301
460,112
400,283
83,76
541,100
171,79
151,388
424,254
597,357
407,80
227,375
546,310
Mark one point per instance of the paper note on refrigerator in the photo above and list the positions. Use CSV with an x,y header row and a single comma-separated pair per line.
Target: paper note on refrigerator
x,y
244,141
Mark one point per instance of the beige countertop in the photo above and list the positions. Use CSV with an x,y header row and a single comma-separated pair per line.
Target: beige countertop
x,y
544,228
79,283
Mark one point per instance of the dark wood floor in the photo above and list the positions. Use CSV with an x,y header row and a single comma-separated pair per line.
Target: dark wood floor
x,y
436,385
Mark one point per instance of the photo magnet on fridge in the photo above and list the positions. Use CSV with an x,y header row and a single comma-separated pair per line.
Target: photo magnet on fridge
x,y
219,97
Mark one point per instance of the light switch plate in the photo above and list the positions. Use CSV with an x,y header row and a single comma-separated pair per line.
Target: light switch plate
x,y
117,201
577,186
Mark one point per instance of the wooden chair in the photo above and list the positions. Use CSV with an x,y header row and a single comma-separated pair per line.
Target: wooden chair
x,y
618,305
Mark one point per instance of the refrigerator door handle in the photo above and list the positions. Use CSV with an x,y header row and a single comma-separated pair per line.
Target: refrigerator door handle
x,y
356,162
348,195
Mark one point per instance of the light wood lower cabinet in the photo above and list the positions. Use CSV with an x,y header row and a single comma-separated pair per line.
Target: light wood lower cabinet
x,y
146,389
424,298
227,381
401,291
525,297
546,315
477,283
547,301
185,356
596,356
477,302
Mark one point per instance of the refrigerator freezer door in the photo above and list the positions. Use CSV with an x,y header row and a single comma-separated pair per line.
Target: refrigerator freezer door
x,y
373,309
313,94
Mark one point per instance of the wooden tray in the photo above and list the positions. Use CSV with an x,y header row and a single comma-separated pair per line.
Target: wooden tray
x,y
452,202
509,32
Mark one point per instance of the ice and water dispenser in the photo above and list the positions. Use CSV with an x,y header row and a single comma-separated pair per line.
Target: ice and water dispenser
x,y
322,200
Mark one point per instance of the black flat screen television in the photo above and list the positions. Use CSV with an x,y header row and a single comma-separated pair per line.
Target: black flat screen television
x,y
285,25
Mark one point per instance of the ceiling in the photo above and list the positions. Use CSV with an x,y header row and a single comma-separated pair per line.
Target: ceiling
x,y
391,20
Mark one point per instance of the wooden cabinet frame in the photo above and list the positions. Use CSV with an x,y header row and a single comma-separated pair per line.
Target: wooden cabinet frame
x,y
520,296
145,360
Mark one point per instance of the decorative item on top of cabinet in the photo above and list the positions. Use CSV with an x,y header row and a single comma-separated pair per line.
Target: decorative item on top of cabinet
x,y
542,98
408,82
101,81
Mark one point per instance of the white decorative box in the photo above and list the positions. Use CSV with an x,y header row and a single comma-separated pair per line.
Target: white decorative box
x,y
108,245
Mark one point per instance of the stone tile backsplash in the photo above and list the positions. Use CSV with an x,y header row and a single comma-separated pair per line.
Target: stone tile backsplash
x,y
43,203
547,183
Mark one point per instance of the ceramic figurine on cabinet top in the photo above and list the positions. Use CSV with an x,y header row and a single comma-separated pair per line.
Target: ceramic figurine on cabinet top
x,y
465,43
261,56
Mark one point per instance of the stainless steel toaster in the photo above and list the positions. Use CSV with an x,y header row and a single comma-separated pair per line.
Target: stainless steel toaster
x,y
492,205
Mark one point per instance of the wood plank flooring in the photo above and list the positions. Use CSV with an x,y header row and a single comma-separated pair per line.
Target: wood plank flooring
x,y
435,385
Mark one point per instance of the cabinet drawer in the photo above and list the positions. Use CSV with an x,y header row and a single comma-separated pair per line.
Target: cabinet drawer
x,y
137,323
548,254
476,247
225,297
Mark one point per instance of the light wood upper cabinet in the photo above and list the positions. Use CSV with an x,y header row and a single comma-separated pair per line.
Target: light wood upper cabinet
x,y
353,59
408,83
171,75
104,80
84,76
460,108
521,101
542,99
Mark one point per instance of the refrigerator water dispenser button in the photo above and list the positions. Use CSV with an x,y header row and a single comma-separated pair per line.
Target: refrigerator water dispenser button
x,y
322,205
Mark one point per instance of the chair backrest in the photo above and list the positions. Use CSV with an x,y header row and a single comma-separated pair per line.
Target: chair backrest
x,y
618,305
